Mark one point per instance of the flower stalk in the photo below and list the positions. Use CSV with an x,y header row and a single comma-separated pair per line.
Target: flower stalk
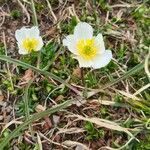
x,y
35,22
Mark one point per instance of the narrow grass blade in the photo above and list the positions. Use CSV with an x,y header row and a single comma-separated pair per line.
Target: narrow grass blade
x,y
146,65
46,73
103,123
26,101
126,75
35,117
34,13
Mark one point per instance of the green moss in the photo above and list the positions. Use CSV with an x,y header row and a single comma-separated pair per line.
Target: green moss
x,y
92,132
16,14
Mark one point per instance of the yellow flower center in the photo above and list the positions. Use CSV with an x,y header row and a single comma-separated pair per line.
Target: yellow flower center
x,y
30,44
87,48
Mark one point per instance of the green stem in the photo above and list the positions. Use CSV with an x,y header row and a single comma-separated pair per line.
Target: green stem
x,y
35,22
26,100
38,60
82,77
84,83
8,70
35,117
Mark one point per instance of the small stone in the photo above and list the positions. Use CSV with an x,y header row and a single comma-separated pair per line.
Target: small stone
x,y
79,147
15,148
1,103
1,96
56,119
39,108
77,72
59,98
1,117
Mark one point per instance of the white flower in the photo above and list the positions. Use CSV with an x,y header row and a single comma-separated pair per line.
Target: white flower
x,y
88,50
28,40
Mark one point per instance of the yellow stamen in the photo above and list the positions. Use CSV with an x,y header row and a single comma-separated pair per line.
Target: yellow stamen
x,y
30,44
87,48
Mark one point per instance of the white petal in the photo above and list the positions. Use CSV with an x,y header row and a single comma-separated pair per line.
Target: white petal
x,y
20,34
21,49
83,62
22,52
70,41
33,32
40,45
83,31
102,59
26,33
100,43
